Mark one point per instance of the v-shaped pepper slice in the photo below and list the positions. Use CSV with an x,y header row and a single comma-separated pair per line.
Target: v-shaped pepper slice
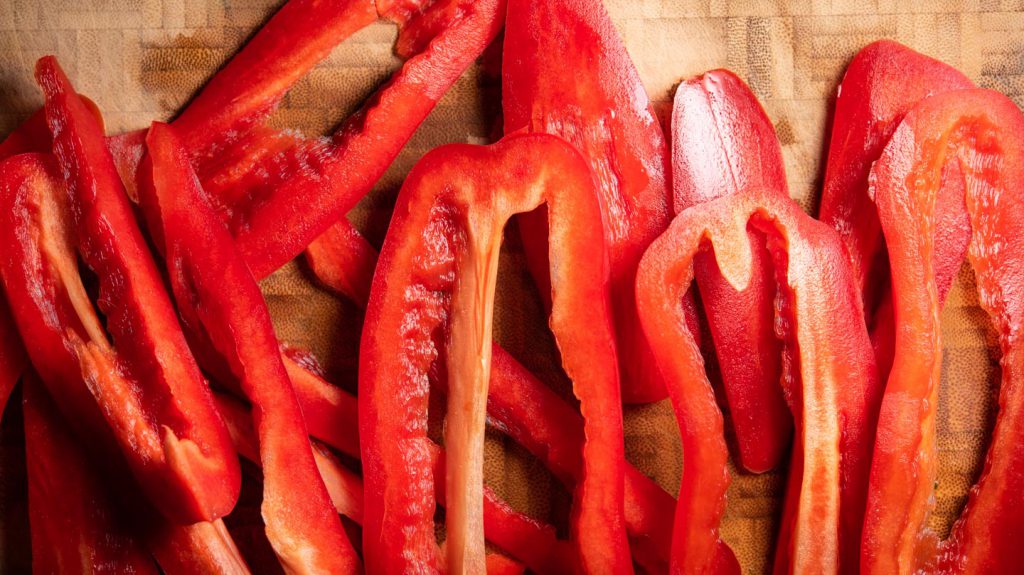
x,y
722,144
140,386
981,132
223,308
431,301
828,364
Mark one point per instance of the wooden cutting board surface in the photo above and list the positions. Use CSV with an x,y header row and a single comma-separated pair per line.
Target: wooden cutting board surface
x,y
141,60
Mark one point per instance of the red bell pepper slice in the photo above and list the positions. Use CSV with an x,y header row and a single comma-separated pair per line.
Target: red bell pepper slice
x,y
291,207
197,549
882,83
143,390
829,366
723,144
436,277
75,526
979,131
600,108
222,305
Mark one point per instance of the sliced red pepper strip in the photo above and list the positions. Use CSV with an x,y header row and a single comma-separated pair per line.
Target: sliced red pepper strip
x,y
830,367
602,109
300,34
160,413
219,300
437,274
723,144
75,527
344,261
13,360
292,207
883,81
197,549
981,132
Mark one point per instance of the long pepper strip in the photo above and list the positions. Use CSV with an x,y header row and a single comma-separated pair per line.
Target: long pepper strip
x,y
436,276
830,367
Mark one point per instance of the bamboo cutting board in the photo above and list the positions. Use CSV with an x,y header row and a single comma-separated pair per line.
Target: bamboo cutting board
x,y
141,60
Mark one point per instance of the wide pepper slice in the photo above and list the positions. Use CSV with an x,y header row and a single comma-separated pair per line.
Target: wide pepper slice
x,y
431,301
221,305
141,405
723,144
829,364
601,108
980,131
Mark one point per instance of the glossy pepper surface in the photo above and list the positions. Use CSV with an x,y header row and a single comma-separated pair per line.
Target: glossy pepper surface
x,y
436,277
139,385
724,144
828,367
601,108
222,306
979,131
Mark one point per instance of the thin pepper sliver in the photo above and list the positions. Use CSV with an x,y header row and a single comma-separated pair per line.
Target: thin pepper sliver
x,y
829,365
436,277
221,303
980,131
722,144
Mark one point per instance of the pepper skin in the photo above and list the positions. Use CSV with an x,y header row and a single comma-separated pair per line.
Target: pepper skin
x,y
723,144
143,388
980,131
601,109
75,527
221,305
883,81
828,365
435,277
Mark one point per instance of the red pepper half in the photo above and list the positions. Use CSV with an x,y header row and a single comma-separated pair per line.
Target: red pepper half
x,y
723,144
828,368
222,305
980,131
143,388
601,108
75,527
431,300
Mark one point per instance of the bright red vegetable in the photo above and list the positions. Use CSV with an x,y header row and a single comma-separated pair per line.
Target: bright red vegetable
x,y
882,83
979,131
223,307
75,527
436,277
143,389
724,144
827,374
601,109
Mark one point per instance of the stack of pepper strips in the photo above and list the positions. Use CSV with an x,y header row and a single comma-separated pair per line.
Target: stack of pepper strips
x,y
802,314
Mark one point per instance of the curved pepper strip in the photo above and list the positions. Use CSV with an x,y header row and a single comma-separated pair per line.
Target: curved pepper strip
x,y
221,303
436,277
830,365
601,108
981,131
288,211
723,144
881,84
159,411
75,527
31,187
